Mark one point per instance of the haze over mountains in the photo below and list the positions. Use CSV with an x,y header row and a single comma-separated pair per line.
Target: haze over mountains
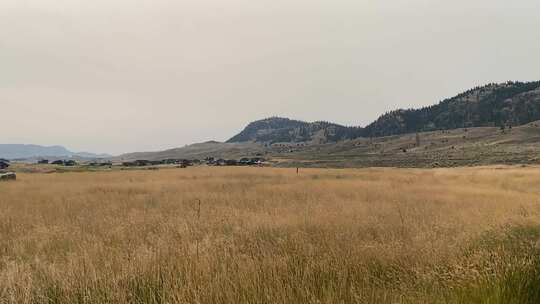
x,y
18,151
493,105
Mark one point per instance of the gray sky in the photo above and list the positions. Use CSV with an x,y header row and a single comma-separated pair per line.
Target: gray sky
x,y
136,75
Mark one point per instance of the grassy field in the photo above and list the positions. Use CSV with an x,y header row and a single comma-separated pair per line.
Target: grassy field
x,y
263,235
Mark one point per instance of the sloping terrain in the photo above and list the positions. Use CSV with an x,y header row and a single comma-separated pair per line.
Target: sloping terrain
x,y
200,151
458,147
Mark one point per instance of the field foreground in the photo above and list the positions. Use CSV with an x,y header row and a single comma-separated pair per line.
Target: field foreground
x,y
261,235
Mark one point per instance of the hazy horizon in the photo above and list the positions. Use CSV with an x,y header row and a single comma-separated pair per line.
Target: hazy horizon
x,y
123,76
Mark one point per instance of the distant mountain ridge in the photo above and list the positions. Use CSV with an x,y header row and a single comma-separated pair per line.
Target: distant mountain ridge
x,y
510,103
19,151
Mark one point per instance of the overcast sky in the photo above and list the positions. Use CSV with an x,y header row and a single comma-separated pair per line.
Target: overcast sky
x,y
138,75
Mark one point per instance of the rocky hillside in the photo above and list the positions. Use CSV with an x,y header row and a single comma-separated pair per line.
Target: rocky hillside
x,y
277,130
511,103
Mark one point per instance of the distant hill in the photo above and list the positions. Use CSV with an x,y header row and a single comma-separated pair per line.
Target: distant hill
x,y
278,129
511,103
17,151
199,151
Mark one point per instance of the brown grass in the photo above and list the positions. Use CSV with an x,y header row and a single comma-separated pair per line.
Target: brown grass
x,y
271,236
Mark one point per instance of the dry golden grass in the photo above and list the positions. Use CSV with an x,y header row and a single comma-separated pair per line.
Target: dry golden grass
x,y
271,236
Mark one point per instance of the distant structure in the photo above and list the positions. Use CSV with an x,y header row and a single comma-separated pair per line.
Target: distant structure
x,y
101,164
10,176
184,163
67,163
137,163
4,164
70,163
231,162
43,161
